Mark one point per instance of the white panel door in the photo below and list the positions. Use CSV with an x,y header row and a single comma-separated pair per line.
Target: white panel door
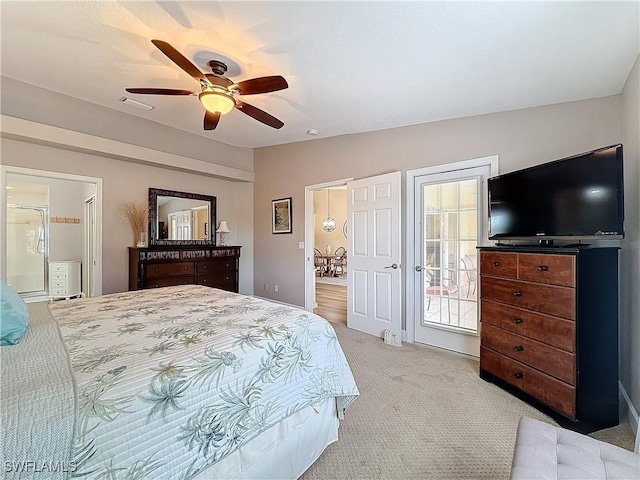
x,y
373,256
180,225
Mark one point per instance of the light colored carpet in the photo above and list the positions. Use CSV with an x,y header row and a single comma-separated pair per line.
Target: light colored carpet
x,y
424,413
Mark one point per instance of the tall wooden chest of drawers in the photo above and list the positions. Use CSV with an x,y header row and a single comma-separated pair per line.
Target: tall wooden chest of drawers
x,y
550,330
155,267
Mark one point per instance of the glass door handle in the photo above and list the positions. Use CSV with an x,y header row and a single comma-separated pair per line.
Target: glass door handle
x,y
419,268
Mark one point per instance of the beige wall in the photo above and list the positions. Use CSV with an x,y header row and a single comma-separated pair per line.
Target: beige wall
x,y
126,181
630,254
336,238
44,106
521,138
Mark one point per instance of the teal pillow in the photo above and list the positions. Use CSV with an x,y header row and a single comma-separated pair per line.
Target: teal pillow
x,y
13,316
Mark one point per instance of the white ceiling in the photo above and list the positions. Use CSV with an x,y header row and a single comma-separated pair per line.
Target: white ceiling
x,y
351,66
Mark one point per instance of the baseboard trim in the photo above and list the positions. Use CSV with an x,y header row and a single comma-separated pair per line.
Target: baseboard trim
x,y
632,416
277,301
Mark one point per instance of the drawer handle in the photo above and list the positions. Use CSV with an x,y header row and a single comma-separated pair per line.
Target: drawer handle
x,y
204,266
518,348
204,281
517,293
495,264
157,286
157,270
518,375
517,321
543,268
186,268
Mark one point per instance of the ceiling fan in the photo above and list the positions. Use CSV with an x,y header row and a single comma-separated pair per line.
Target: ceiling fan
x,y
217,91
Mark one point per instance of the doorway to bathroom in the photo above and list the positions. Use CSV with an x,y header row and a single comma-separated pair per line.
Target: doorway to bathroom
x,y
52,242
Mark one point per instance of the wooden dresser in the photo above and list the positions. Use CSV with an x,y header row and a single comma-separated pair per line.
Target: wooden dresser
x,y
550,330
164,266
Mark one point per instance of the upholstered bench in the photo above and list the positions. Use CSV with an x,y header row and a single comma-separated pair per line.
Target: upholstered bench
x,y
545,452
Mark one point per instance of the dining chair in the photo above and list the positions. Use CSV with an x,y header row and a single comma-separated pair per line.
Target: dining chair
x,y
318,262
336,261
340,263
447,287
471,271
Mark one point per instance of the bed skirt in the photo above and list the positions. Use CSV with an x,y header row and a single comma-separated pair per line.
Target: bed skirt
x,y
284,451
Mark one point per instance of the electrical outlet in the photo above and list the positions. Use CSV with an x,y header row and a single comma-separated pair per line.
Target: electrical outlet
x,y
266,286
301,245
275,288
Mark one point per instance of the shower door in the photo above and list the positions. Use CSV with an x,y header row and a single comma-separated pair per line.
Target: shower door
x,y
28,249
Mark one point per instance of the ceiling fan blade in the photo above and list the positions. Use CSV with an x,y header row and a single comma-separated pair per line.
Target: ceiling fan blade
x,y
262,85
160,91
259,115
179,59
211,120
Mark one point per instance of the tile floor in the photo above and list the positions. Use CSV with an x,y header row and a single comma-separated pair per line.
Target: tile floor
x,y
464,312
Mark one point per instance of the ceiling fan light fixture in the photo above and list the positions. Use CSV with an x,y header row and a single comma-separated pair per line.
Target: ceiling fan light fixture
x,y
217,102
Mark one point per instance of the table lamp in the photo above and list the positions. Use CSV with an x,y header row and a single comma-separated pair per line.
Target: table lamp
x,y
223,229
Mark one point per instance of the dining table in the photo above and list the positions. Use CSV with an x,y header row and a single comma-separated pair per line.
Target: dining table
x,y
327,260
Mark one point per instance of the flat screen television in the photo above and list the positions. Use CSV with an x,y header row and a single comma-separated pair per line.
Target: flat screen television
x,y
579,197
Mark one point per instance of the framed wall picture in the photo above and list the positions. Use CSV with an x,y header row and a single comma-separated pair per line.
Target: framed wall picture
x,y
281,215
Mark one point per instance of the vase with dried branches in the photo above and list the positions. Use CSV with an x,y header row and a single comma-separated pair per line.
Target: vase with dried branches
x,y
136,214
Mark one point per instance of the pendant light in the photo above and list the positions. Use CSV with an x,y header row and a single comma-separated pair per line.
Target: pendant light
x,y
328,224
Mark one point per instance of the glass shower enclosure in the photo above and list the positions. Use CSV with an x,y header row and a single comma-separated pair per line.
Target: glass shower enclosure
x,y
28,249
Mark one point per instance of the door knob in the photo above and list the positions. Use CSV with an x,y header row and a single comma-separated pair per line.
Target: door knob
x,y
393,265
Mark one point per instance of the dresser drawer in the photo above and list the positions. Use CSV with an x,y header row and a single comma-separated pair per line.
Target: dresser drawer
x,y
550,269
59,268
58,276
501,264
548,390
550,360
218,280
168,281
552,300
554,331
169,269
226,264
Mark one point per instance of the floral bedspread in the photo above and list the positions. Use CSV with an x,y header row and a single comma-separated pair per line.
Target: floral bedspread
x,y
171,380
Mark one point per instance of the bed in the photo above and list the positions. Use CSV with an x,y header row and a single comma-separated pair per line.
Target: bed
x,y
177,382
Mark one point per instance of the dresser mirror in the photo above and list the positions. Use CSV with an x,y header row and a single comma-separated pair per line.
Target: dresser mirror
x,y
180,218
